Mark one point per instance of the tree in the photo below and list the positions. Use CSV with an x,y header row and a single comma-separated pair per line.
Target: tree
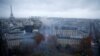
x,y
85,46
3,43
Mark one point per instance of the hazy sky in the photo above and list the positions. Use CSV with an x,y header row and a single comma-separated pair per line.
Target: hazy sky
x,y
54,8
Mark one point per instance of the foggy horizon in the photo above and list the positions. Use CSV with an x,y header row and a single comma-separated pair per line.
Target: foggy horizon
x,y
51,8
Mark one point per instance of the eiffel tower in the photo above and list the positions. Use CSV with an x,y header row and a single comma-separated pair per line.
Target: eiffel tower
x,y
11,15
12,18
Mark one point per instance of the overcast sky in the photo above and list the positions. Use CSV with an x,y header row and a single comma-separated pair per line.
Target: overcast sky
x,y
54,8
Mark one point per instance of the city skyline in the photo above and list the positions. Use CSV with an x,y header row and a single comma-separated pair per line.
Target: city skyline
x,y
51,8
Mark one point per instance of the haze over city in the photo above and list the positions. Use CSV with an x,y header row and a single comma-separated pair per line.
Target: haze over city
x,y
51,8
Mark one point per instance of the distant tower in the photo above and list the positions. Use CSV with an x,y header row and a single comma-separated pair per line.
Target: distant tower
x,y
11,15
12,18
